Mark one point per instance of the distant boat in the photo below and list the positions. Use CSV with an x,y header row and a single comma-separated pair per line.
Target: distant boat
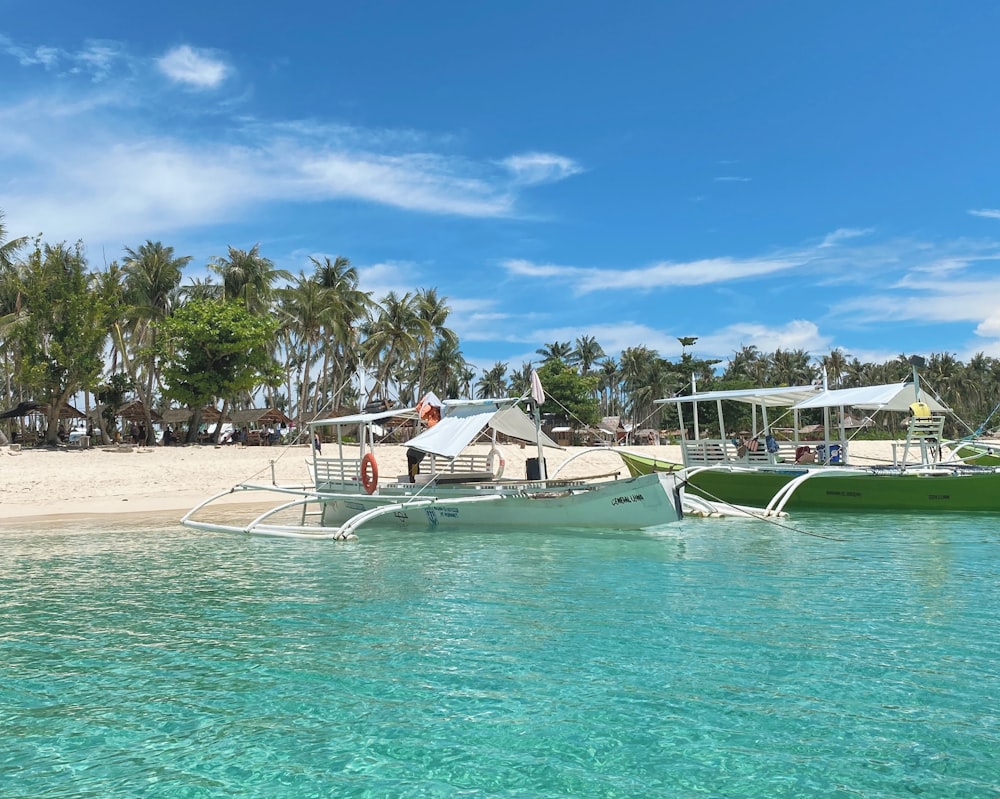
x,y
761,470
447,488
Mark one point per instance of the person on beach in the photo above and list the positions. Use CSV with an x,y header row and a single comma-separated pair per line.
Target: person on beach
x,y
317,444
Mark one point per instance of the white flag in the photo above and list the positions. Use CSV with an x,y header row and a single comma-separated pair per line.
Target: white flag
x,y
536,389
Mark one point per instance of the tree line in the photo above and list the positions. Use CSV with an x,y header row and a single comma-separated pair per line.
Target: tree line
x,y
251,333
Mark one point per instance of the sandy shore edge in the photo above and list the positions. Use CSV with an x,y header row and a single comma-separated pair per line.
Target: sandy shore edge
x,y
38,484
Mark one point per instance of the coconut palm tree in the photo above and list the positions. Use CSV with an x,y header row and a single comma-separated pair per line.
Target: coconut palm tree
x,y
151,279
586,353
201,289
249,276
350,309
493,383
791,368
432,311
9,248
305,313
446,368
835,365
609,386
520,379
393,337
556,351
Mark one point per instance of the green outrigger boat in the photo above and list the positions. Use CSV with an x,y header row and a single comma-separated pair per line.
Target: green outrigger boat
x,y
758,470
950,488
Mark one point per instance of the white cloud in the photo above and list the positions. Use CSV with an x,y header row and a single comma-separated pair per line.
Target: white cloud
x,y
988,213
416,181
658,276
843,234
613,337
72,170
533,168
97,58
198,69
731,179
793,335
381,278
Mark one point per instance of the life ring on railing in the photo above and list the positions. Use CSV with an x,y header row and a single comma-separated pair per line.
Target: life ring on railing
x,y
495,462
369,473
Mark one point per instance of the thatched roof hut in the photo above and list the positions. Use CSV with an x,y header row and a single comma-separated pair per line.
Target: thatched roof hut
x,y
256,417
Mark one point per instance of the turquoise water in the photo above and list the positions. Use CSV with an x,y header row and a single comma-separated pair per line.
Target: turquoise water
x,y
724,658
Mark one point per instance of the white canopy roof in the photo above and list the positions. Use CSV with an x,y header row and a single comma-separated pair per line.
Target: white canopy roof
x,y
781,397
888,397
365,418
463,420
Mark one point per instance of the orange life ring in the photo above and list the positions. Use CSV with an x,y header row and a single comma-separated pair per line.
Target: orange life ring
x,y
369,473
496,462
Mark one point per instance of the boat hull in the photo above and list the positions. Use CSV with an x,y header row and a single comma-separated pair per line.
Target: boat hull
x,y
629,504
863,490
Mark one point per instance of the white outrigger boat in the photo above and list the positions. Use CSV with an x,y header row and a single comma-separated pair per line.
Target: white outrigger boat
x,y
445,488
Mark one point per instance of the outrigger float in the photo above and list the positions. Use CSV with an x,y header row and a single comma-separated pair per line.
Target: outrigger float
x,y
445,487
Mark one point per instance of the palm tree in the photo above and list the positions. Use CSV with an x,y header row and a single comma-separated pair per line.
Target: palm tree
x,y
201,289
646,377
834,364
493,382
609,384
393,337
350,308
151,277
304,315
446,368
586,353
556,351
8,249
249,276
747,364
433,313
520,379
791,368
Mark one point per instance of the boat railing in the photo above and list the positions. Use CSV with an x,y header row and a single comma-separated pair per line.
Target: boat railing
x,y
336,472
718,451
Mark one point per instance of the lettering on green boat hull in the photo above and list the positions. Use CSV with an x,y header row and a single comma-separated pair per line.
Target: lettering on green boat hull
x,y
865,491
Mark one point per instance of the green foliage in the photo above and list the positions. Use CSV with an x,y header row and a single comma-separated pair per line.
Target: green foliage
x,y
112,394
566,389
61,336
216,349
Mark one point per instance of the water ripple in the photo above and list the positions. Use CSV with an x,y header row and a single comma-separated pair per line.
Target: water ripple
x,y
727,659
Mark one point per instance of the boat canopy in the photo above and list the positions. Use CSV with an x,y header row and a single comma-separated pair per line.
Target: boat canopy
x,y
463,420
888,397
781,397
365,418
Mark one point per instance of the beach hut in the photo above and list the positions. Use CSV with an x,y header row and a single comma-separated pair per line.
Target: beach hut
x,y
260,424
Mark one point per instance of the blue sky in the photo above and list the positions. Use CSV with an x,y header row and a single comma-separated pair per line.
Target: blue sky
x,y
782,174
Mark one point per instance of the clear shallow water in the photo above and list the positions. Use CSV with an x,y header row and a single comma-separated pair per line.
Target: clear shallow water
x,y
723,658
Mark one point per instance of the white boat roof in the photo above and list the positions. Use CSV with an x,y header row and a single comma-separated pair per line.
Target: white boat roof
x,y
463,420
780,397
365,418
887,397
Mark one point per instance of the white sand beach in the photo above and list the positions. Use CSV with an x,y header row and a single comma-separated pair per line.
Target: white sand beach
x,y
39,483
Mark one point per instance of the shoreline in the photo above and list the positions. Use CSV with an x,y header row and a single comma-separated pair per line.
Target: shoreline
x,y
42,484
